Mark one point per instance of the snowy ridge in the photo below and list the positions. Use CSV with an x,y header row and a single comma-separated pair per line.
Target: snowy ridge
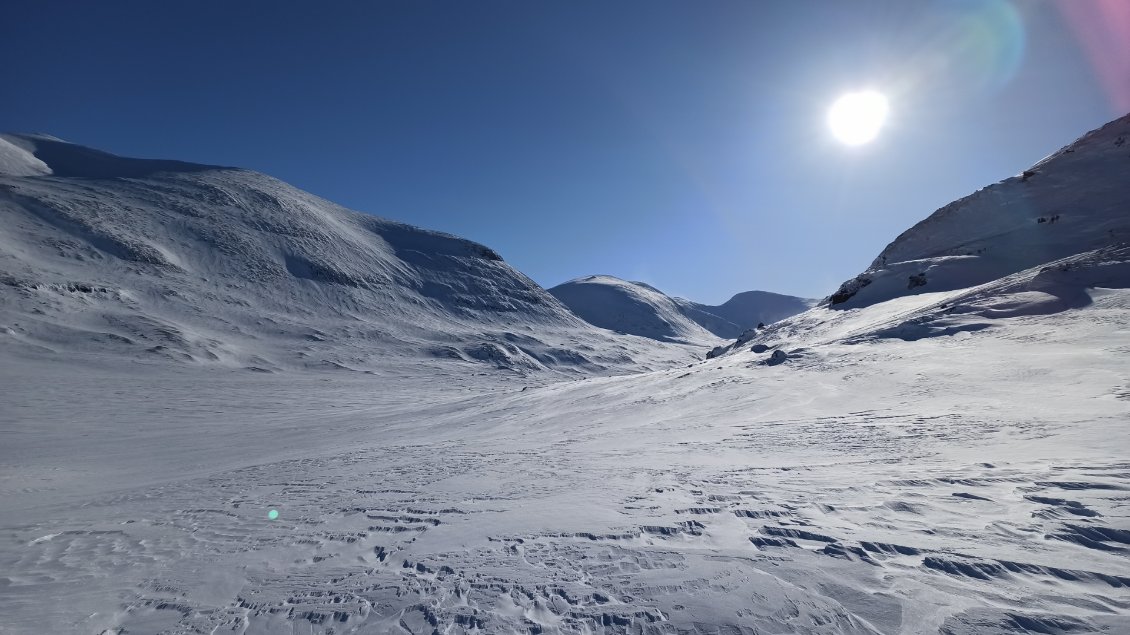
x,y
640,309
1006,245
1072,201
629,307
157,259
968,484
67,159
18,159
746,310
1061,285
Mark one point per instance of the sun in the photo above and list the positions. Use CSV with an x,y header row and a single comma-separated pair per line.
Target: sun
x,y
856,118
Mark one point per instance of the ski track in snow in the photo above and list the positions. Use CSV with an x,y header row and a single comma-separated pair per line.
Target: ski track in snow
x,y
884,487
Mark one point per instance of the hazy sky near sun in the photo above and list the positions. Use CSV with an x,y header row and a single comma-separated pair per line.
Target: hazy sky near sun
x,y
679,143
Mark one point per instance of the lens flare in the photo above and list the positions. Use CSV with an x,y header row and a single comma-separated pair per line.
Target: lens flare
x,y
1103,30
988,47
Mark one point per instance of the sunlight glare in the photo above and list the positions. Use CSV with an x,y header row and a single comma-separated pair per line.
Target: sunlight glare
x,y
856,118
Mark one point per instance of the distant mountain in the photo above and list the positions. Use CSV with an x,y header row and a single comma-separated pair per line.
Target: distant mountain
x,y
745,311
629,307
640,309
165,260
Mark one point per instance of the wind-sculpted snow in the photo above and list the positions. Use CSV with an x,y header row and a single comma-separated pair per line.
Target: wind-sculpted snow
x,y
67,159
964,484
942,461
17,158
163,260
1069,283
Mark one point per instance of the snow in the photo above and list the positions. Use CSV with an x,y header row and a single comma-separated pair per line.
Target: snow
x,y
1070,202
943,459
17,159
153,260
630,307
637,308
67,159
748,309
576,504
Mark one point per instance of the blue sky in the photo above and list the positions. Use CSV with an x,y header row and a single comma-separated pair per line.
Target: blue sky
x,y
678,143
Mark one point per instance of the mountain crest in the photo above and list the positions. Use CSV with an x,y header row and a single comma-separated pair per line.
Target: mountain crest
x,y
641,309
167,260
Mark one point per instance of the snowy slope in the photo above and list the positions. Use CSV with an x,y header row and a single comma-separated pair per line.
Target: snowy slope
x,y
165,260
1073,201
1031,245
629,307
938,461
18,159
964,485
640,309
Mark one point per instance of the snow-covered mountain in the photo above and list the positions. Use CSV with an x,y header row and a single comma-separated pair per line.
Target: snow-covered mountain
x,y
640,309
203,264
937,459
745,311
629,307
1032,244
1073,201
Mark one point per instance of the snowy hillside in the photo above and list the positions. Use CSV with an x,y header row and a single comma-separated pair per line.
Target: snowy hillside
x,y
165,260
967,485
640,309
629,307
946,459
1073,201
1031,245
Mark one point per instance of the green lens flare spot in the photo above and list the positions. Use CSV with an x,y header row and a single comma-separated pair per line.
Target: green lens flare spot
x,y
273,514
